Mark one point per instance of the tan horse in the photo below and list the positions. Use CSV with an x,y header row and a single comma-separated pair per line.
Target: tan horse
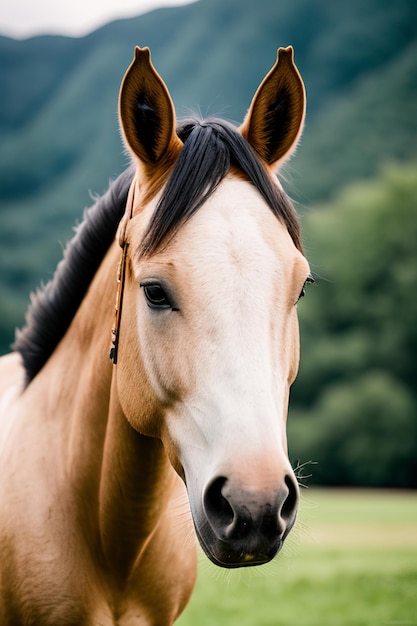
x,y
107,468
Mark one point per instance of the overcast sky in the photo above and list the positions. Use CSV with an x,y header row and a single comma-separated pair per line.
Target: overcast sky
x,y
26,18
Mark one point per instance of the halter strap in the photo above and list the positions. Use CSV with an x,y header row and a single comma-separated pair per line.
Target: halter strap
x,y
121,272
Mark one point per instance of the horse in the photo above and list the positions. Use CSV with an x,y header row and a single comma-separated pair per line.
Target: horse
x,y
110,467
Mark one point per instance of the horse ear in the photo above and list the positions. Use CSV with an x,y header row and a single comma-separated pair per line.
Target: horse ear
x,y
146,112
275,119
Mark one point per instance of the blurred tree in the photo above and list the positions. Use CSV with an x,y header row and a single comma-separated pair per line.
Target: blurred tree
x,y
355,401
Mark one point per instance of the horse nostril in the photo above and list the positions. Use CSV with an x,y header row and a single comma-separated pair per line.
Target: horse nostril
x,y
218,510
290,504
229,520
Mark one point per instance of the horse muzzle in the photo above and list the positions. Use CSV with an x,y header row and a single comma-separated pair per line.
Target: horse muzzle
x,y
239,528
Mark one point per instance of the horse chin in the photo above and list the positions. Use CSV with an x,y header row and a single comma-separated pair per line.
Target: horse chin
x,y
236,554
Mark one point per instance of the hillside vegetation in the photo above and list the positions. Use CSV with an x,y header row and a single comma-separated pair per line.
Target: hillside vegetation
x,y
354,408
59,141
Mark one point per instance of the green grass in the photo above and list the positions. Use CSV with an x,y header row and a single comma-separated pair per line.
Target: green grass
x,y
351,560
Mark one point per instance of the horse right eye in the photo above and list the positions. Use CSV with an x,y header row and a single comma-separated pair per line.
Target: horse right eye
x,y
156,296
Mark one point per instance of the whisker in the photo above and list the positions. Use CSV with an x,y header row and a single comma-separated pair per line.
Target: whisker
x,y
181,520
299,473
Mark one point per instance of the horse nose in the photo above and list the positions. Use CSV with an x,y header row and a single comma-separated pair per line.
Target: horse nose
x,y
236,514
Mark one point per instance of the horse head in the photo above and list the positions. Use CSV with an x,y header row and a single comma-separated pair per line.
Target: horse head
x,y
209,340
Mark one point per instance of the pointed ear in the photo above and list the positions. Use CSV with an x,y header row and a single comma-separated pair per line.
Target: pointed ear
x,y
275,119
147,114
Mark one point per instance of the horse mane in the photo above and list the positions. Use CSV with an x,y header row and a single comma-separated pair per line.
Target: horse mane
x,y
211,148
54,305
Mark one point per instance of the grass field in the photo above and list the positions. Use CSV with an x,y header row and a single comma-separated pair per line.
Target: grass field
x,y
350,561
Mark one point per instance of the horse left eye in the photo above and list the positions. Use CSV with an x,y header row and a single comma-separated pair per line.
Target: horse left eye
x,y
156,296
309,280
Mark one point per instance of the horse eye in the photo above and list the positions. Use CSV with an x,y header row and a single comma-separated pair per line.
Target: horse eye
x,y
310,280
156,296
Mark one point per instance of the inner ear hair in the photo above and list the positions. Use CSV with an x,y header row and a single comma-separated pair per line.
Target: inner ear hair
x,y
275,119
146,111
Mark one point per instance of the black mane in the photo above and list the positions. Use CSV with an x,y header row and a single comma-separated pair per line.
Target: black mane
x,y
210,149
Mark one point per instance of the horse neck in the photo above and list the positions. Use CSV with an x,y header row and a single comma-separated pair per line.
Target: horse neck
x,y
115,472
76,380
136,481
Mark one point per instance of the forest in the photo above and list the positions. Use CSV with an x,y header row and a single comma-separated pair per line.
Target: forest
x,y
353,410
